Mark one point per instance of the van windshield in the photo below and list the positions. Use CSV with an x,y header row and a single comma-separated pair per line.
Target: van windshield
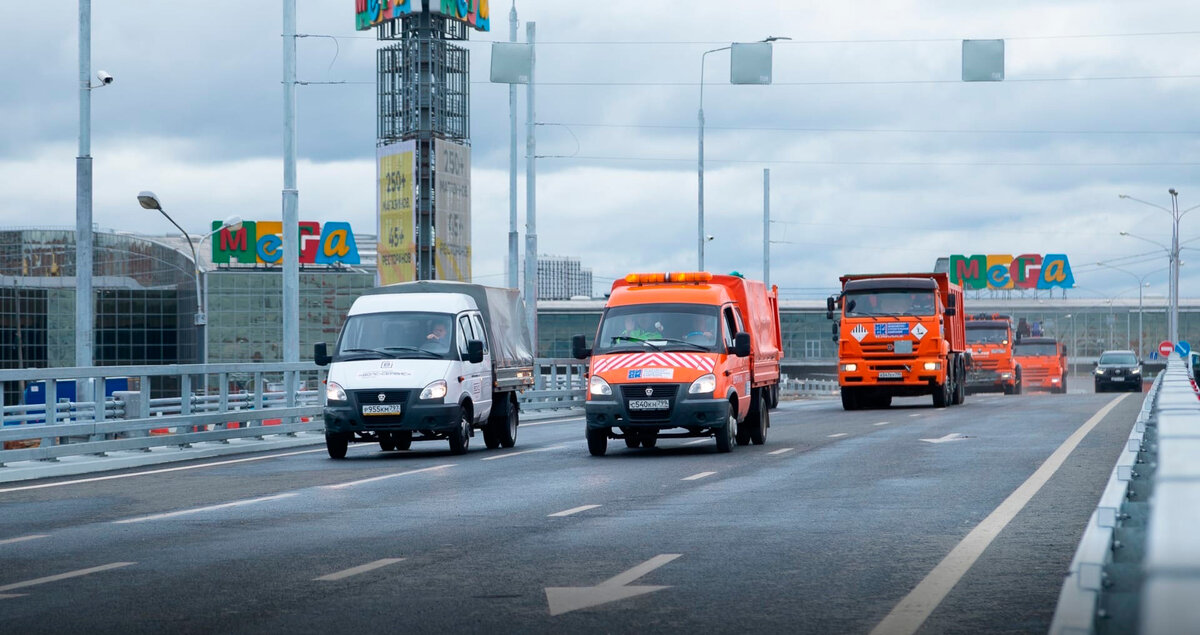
x,y
661,327
891,302
401,335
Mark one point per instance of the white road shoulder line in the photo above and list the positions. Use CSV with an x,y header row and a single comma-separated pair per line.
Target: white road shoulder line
x,y
881,423
546,423
362,568
505,456
9,541
915,414
781,451
696,477
197,510
698,441
573,510
915,608
64,576
840,434
387,476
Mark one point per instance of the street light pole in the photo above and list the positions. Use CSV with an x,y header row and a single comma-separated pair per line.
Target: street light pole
x,y
1173,256
1141,284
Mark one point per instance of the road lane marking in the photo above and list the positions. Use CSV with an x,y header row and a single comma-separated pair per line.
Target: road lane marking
x,y
696,477
9,541
505,456
197,510
915,608
149,472
63,576
546,423
698,441
362,568
781,451
386,476
573,510
566,599
840,434
953,436
915,414
881,423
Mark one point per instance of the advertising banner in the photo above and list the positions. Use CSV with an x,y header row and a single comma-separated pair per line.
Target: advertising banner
x,y
397,230
261,243
452,204
369,13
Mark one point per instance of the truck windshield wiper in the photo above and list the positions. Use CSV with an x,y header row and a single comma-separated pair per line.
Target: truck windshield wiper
x,y
412,349
366,351
685,343
626,338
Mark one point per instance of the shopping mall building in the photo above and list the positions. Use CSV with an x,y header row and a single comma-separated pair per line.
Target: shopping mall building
x,y
145,300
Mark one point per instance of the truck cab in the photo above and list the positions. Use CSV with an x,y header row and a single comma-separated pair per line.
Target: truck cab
x,y
992,365
1043,363
682,355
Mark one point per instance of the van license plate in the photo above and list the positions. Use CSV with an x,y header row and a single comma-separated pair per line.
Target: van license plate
x,y
385,409
649,404
891,374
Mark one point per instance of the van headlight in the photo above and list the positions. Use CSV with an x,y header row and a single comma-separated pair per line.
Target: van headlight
x,y
704,385
598,387
334,392
435,390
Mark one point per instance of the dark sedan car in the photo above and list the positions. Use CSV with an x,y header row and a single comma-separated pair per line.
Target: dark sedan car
x,y
1118,370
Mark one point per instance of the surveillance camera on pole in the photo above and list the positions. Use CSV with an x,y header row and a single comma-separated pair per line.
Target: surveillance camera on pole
x,y
105,79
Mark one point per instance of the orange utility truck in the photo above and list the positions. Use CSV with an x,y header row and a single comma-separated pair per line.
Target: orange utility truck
x,y
683,355
899,335
992,366
1043,363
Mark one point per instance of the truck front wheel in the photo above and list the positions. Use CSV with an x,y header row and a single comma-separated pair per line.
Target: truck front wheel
x,y
597,440
941,393
849,398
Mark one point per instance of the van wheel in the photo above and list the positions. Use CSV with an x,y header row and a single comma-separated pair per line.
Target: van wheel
x,y
597,440
460,436
649,440
758,421
489,437
337,445
727,434
385,442
501,427
402,440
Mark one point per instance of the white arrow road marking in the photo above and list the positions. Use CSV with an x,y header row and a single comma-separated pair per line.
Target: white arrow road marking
x,y
573,510
567,599
9,541
197,510
781,451
505,456
61,576
840,434
696,477
953,436
362,568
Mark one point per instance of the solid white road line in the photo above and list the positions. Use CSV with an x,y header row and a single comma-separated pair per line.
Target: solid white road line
x,y
881,423
573,510
915,608
362,568
197,510
546,423
162,471
64,576
698,441
840,434
781,451
505,456
915,414
696,477
386,476
10,541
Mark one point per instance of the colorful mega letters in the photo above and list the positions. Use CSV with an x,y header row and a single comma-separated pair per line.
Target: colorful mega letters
x,y
1002,271
369,13
261,243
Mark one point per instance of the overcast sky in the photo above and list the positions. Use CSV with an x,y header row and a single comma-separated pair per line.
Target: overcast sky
x,y
880,158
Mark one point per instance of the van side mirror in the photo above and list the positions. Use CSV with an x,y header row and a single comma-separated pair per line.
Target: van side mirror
x,y
741,344
579,349
321,354
474,351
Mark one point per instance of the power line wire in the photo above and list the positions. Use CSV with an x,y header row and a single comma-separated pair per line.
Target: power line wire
x,y
1114,164
870,130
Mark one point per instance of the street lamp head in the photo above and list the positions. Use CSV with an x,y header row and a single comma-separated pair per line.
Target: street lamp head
x,y
1172,192
232,223
775,38
1122,196
1124,233
148,200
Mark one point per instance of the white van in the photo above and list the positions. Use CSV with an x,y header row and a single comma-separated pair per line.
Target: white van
x,y
425,361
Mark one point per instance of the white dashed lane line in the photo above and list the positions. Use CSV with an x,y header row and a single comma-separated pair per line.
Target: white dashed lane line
x,y
197,510
362,568
573,510
60,576
781,451
697,442
882,423
9,541
505,456
696,477
387,476
840,434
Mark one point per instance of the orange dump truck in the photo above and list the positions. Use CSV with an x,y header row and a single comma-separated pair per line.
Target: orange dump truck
x,y
899,335
992,365
1043,363
683,355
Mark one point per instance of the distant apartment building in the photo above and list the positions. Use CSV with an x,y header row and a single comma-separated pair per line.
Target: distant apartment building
x,y
562,278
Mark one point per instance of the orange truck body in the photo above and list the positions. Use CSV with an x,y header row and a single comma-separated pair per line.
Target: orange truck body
x,y
992,365
656,380
1043,363
884,353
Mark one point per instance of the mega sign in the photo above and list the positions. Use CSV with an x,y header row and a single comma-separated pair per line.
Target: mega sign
x,y
369,13
1028,271
261,243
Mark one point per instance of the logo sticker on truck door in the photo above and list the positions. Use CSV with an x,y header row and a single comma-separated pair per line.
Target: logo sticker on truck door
x,y
652,373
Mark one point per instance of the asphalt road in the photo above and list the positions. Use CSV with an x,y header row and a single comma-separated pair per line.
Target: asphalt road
x,y
840,520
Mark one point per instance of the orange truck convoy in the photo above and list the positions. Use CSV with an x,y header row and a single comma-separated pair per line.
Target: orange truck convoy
x,y
1043,363
688,354
899,335
992,365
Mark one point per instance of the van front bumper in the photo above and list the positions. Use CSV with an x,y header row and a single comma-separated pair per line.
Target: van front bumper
x,y
415,417
692,414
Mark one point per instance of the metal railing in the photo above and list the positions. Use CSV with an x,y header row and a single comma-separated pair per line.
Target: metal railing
x,y
1137,568
559,383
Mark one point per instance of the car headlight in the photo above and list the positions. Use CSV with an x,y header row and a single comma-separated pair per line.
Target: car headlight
x,y
597,386
334,392
1099,371
435,390
849,368
704,385
933,365
1136,371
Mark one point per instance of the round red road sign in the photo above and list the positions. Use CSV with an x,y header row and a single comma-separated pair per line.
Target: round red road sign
x,y
1166,348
